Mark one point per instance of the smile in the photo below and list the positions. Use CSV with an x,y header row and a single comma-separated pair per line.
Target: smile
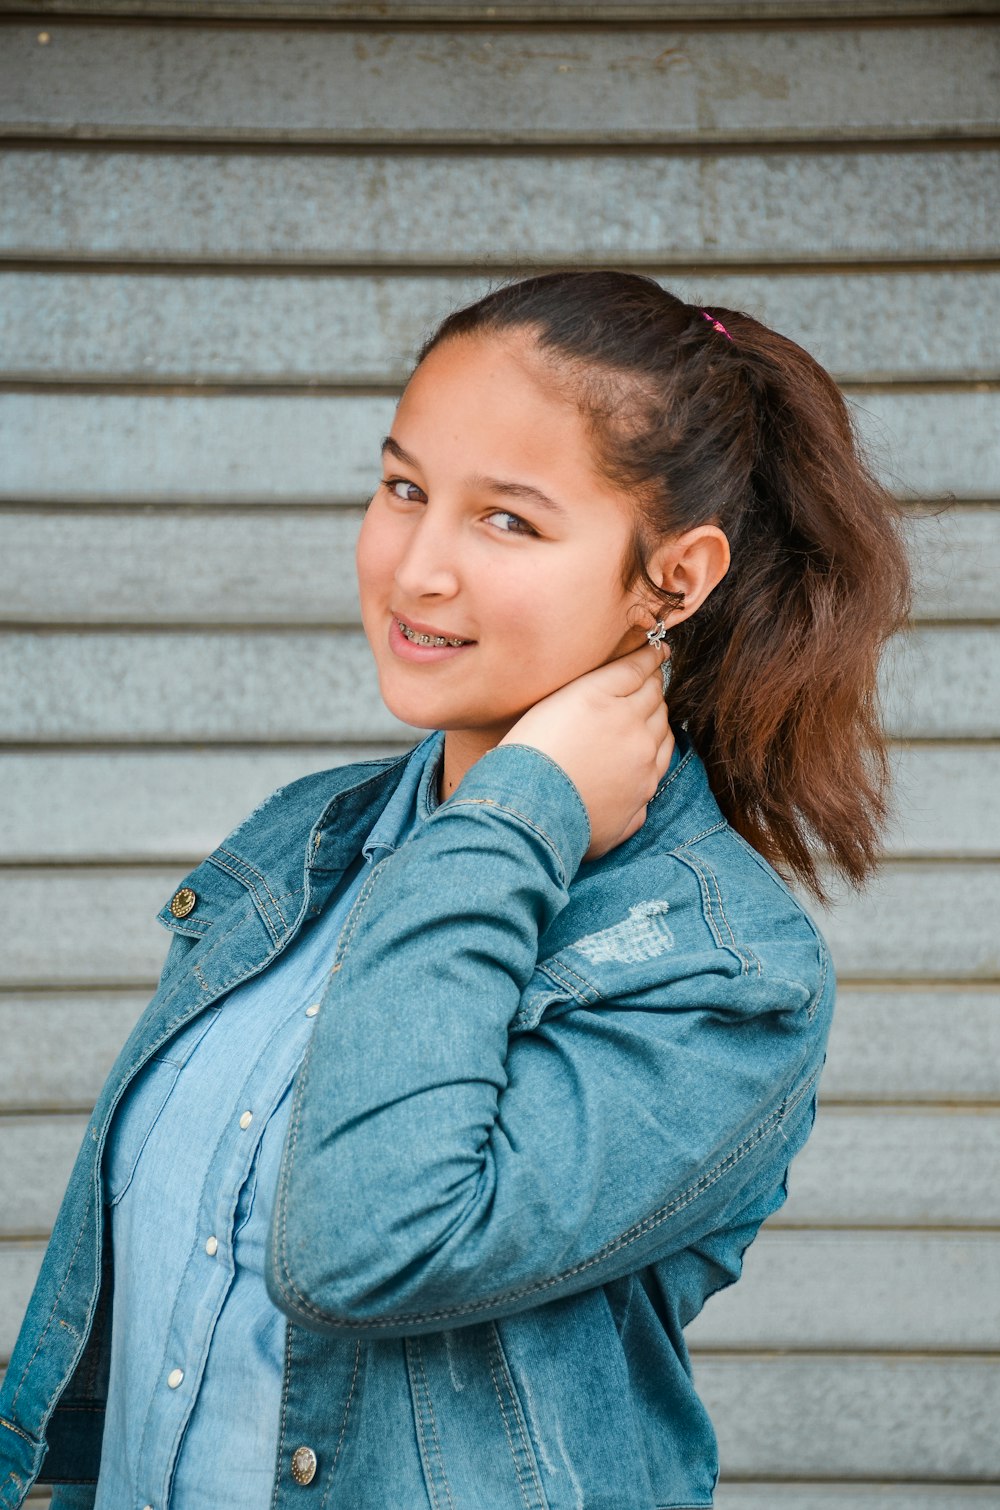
x,y
427,639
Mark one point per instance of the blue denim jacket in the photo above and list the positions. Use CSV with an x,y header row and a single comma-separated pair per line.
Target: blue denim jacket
x,y
546,1106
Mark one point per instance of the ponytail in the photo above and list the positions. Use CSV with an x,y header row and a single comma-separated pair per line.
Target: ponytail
x,y
708,416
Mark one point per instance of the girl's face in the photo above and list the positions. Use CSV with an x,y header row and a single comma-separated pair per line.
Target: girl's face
x,y
459,541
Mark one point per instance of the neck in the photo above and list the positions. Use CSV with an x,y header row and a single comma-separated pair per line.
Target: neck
x,y
462,748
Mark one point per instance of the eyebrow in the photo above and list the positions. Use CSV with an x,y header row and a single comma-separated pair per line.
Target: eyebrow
x,y
521,490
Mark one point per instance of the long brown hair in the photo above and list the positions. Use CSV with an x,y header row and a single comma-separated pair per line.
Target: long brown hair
x,y
774,677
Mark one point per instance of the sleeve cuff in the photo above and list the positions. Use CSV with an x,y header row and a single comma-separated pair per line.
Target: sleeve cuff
x,y
526,782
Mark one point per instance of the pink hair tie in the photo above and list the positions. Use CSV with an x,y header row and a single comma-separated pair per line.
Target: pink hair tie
x,y
716,324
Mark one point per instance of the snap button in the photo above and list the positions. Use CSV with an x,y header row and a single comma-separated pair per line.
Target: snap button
x,y
303,1465
182,902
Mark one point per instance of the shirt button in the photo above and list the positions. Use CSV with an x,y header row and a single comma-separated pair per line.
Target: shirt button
x,y
182,902
311,1011
212,1247
303,1465
245,1120
175,1377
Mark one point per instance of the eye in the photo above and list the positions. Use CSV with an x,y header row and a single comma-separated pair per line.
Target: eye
x,y
522,527
391,483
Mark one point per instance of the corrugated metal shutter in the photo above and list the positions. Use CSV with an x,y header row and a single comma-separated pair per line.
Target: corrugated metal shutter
x,y
221,244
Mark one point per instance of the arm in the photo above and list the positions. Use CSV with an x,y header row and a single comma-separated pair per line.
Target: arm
x,y
438,1171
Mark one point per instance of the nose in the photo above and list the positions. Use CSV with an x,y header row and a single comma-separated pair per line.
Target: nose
x,y
428,566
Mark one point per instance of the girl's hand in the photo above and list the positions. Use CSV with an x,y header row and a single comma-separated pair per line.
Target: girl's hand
x,y
609,731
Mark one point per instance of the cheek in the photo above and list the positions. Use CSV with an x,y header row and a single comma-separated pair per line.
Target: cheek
x,y
372,556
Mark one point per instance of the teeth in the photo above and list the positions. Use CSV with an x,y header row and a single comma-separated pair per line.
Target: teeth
x,y
427,639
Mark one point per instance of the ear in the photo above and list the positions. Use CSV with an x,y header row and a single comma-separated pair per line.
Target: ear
x,y
691,564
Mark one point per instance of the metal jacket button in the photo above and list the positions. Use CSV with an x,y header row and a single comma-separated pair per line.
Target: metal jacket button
x,y
182,902
303,1465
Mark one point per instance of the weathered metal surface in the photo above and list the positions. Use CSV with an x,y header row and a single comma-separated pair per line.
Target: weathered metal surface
x,y
842,1290
504,85
288,567
484,211
175,805
913,1043
89,1027
908,1044
897,1167
255,448
942,683
166,806
871,1417
565,12
798,1495
880,1168
344,329
918,922
243,687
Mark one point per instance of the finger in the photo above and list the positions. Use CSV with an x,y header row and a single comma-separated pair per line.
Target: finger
x,y
638,664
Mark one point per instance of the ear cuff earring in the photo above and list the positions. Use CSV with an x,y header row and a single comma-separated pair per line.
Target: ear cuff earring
x,y
657,633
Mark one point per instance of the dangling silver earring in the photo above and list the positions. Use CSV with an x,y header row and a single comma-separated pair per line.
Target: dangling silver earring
x,y
657,633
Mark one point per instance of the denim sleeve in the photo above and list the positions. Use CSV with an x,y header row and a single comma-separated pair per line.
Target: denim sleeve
x,y
439,1171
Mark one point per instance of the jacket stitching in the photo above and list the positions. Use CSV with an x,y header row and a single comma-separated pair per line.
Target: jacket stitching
x,y
55,1303
343,1426
259,874
669,781
434,1467
350,927
648,1224
528,822
821,947
283,1420
559,967
494,1350
17,1431
714,829
248,883
704,872
818,997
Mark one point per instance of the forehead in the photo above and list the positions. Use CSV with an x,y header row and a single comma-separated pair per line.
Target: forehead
x,y
497,391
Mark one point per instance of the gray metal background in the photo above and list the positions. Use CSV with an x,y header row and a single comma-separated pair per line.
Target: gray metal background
x,y
224,229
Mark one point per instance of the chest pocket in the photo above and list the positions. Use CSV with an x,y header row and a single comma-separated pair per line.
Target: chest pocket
x,y
134,1121
140,1109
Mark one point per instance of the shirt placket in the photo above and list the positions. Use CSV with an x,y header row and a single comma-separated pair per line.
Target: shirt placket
x,y
210,1269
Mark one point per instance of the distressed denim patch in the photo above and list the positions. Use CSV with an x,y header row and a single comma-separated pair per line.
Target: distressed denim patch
x,y
642,935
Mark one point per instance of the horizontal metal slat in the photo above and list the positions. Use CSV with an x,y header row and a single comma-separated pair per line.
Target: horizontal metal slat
x,y
341,329
630,84
254,448
502,207
564,11
867,1417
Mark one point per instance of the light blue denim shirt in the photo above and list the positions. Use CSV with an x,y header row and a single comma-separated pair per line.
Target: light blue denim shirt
x,y
198,1346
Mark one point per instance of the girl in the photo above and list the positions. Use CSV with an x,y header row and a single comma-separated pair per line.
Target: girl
x,y
472,1073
